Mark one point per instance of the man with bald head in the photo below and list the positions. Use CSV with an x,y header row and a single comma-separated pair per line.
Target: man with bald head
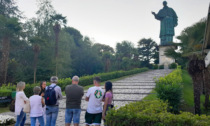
x,y
74,94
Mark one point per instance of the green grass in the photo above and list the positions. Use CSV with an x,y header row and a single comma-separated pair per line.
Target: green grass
x,y
188,97
4,109
151,96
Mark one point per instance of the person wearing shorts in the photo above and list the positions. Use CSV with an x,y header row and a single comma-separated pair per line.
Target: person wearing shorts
x,y
94,97
74,94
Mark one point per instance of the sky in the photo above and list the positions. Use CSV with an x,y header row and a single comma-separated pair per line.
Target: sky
x,y
112,21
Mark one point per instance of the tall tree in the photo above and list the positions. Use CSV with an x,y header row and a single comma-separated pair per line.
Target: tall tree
x,y
58,20
36,45
9,28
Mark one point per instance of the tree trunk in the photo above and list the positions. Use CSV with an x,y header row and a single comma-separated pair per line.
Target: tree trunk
x,y
195,69
107,66
4,60
35,65
56,31
206,77
197,79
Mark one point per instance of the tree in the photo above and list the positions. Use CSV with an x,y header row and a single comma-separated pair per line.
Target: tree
x,y
58,20
76,35
124,50
9,28
36,43
190,45
147,50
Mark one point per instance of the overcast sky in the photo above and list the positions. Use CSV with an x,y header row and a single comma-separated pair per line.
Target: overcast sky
x,y
112,21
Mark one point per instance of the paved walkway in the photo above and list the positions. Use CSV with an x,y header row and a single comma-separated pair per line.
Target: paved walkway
x,y
126,90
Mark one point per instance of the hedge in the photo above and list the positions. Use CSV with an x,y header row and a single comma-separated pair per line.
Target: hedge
x,y
87,80
169,88
152,113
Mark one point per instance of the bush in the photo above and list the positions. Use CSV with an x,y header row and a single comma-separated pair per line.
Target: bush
x,y
173,66
161,67
5,92
155,66
152,113
85,80
169,88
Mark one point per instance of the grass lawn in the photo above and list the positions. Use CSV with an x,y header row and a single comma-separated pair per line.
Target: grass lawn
x,y
188,97
151,96
4,109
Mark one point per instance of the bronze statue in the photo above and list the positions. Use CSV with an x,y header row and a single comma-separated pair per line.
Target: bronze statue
x,y
169,20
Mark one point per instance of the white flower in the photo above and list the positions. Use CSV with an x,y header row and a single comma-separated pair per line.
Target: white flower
x,y
5,118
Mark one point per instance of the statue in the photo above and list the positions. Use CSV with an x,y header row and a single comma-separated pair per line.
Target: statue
x,y
169,20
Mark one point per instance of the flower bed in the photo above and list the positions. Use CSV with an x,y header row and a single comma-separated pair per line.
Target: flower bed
x,y
6,120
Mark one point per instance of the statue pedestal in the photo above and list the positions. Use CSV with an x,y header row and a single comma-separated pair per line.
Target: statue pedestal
x,y
163,59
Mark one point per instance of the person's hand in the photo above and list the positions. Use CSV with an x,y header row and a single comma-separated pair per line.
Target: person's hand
x,y
153,13
42,94
103,116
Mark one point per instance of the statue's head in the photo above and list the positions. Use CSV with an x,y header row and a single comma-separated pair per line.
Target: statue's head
x,y
164,3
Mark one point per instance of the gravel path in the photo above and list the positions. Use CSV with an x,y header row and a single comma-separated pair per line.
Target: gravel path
x,y
126,90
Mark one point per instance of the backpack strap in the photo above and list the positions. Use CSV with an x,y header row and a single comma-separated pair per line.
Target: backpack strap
x,y
54,87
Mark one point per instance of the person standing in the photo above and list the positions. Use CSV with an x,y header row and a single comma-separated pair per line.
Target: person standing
x,y
94,97
108,97
43,85
20,100
52,96
36,103
74,94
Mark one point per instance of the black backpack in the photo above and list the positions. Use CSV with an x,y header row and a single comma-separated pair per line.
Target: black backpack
x,y
50,96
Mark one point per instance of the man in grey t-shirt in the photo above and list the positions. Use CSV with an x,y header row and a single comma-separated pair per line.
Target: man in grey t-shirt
x,y
74,94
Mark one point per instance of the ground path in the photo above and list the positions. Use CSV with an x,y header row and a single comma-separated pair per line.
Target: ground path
x,y
127,90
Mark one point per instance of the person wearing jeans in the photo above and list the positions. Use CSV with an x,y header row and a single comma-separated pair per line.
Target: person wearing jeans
x,y
20,100
36,103
21,119
52,110
74,94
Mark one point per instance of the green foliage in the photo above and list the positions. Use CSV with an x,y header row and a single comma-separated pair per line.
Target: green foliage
x,y
84,80
147,49
152,113
6,90
173,66
169,88
161,67
155,66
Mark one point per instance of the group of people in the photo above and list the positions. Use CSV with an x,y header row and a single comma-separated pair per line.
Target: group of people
x,y
44,104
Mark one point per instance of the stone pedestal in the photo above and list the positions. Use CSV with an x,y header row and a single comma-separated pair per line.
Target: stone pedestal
x,y
163,59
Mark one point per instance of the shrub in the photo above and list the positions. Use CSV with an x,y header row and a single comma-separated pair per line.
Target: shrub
x,y
155,66
152,113
161,67
173,66
5,92
169,88
86,80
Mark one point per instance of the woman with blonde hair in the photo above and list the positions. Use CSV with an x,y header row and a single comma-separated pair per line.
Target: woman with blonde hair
x,y
19,104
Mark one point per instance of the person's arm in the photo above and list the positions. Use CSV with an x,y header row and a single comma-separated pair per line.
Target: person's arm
x,y
43,103
23,96
87,95
105,107
60,96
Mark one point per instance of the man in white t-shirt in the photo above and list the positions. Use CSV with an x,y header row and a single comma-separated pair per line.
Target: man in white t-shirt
x,y
94,97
